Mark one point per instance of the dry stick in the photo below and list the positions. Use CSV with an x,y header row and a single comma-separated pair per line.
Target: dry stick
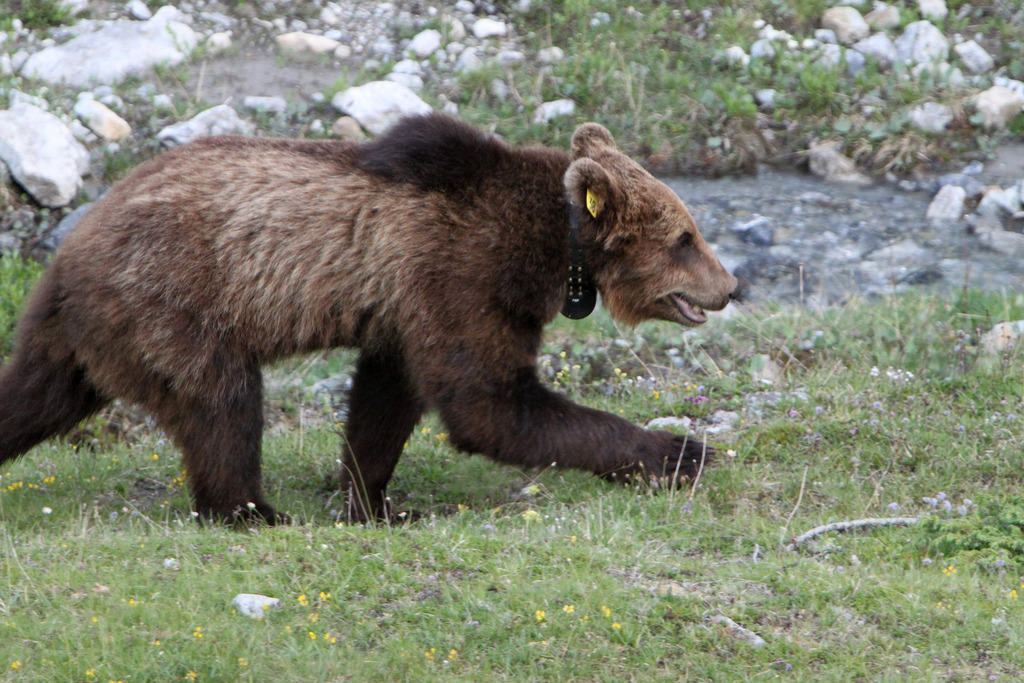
x,y
847,526
799,498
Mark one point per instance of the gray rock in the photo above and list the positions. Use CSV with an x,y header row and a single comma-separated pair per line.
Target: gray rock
x,y
378,104
921,42
974,57
1004,242
424,43
272,105
114,51
758,231
998,204
895,267
66,225
42,154
880,48
219,120
931,117
254,605
847,23
948,204
548,111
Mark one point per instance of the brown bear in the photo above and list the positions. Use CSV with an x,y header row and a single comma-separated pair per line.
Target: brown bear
x,y
437,250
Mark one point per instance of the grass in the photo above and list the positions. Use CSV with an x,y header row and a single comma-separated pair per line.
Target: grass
x,y
884,408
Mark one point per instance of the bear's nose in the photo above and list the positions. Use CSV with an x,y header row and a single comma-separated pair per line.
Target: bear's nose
x,y
741,285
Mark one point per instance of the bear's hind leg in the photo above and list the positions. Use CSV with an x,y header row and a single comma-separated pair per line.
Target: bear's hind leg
x,y
383,409
220,439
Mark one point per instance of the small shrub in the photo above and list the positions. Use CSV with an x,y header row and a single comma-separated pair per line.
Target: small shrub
x,y
16,278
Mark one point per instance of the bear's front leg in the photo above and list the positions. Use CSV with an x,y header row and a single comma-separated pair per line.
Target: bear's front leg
x,y
521,422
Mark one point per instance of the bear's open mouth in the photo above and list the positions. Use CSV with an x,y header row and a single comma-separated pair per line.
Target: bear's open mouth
x,y
690,311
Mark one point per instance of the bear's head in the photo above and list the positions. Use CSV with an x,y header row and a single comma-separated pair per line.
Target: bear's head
x,y
645,254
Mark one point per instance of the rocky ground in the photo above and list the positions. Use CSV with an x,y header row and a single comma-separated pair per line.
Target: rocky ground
x,y
86,99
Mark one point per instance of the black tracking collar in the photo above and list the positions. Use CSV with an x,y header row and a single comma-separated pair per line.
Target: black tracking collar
x,y
581,296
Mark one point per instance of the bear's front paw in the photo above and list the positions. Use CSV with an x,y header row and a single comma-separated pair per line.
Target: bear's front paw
x,y
665,457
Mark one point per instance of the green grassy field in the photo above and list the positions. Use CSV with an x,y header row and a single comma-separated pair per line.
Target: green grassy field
x,y
883,409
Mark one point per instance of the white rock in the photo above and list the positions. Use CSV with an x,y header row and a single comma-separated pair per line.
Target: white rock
x,y
408,66
253,605
884,18
42,154
879,47
922,42
998,203
486,27
273,105
827,162
298,42
16,96
1014,85
342,52
551,55
510,57
735,55
219,120
101,120
943,73
762,49
218,42
75,7
410,81
931,117
424,43
137,10
825,35
452,28
947,205
378,104
329,16
553,109
1002,337
465,6
847,22
114,50
935,10
499,89
998,106
163,102
765,97
469,60
974,57
670,422
835,55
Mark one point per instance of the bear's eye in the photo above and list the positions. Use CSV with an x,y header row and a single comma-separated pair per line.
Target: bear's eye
x,y
683,247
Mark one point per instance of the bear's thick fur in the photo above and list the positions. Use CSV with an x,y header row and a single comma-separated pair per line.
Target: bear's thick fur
x,y
437,250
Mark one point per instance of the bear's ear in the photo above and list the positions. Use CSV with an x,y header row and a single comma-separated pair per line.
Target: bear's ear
x,y
590,186
589,139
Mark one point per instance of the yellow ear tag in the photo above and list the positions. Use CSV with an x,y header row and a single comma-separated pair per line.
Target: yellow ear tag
x,y
592,203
